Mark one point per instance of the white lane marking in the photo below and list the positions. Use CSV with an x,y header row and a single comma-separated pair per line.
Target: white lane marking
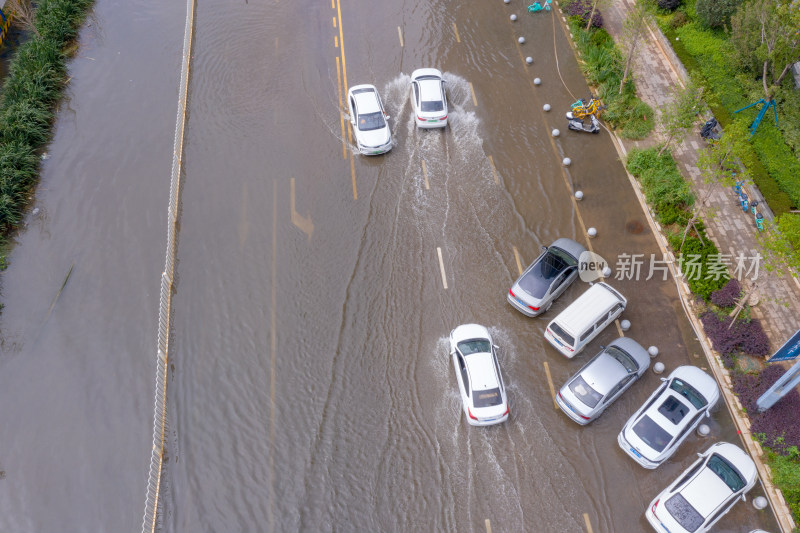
x,y
488,526
425,174
441,267
400,34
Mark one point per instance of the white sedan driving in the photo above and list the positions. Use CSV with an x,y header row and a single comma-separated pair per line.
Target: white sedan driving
x,y
369,120
428,98
483,393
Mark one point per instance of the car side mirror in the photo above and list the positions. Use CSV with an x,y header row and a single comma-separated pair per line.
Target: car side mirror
x,y
744,498
496,347
602,347
663,379
699,454
544,248
387,116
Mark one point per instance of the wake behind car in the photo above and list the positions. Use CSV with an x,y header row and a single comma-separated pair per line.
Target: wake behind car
x,y
483,393
704,492
602,380
429,99
369,120
546,278
668,416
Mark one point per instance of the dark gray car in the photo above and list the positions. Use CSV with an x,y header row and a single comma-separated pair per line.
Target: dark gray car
x,y
546,278
602,380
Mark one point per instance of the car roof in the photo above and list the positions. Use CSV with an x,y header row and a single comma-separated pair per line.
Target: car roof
x,y
573,248
480,367
598,298
430,90
603,373
366,97
466,332
705,492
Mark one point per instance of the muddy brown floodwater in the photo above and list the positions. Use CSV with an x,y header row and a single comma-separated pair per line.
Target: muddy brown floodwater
x,y
310,387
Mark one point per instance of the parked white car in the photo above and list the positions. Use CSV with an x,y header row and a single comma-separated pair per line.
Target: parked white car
x,y
704,492
369,120
668,416
483,393
428,98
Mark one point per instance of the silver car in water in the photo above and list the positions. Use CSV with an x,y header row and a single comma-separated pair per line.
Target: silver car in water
x,y
546,278
602,380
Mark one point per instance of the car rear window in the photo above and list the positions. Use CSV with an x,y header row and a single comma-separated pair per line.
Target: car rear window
x,y
430,106
688,392
673,410
566,337
540,277
683,513
623,358
371,121
651,433
584,391
726,472
487,397
474,346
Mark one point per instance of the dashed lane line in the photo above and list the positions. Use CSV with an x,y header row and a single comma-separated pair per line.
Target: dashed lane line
x,y
425,175
400,34
516,257
455,29
550,384
472,92
588,523
441,267
494,171
488,526
341,115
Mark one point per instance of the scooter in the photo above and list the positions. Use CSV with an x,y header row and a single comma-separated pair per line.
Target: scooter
x,y
708,131
577,124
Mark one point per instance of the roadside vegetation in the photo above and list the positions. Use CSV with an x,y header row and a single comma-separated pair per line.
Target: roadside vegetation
x,y
603,63
36,79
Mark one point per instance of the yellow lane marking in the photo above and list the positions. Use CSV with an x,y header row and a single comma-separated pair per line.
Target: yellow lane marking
x,y
304,223
353,174
400,34
519,263
334,22
550,384
458,39
494,170
588,524
441,267
336,41
488,526
341,40
333,4
472,92
619,328
425,174
273,343
341,114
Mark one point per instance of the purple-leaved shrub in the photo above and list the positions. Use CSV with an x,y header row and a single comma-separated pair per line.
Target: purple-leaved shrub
x,y
727,295
780,424
582,9
745,337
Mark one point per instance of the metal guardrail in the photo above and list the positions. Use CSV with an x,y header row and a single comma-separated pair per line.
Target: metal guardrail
x,y
160,404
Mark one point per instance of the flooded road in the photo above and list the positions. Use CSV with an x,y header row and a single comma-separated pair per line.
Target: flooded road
x,y
310,386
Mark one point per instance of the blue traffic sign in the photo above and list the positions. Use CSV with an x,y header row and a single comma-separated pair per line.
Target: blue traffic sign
x,y
790,349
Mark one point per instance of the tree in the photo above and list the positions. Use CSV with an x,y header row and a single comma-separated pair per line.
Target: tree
x,y
680,113
632,32
716,13
595,5
764,35
23,12
719,163
781,242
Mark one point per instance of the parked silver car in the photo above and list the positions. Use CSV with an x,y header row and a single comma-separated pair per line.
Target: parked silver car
x,y
546,278
602,380
668,416
704,492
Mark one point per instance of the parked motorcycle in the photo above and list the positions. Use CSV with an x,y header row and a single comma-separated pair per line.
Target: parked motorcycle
x,y
574,123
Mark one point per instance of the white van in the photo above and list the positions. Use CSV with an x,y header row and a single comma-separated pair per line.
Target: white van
x,y
584,319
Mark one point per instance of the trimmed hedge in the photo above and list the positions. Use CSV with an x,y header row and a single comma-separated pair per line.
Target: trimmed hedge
x,y
34,85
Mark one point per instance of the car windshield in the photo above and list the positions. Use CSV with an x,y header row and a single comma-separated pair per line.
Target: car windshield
x,y
474,346
623,358
651,433
538,279
566,337
726,473
428,106
371,121
683,513
688,392
584,392
487,397
673,410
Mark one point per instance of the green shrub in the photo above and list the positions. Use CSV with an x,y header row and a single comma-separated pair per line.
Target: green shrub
x,y
703,284
716,13
786,476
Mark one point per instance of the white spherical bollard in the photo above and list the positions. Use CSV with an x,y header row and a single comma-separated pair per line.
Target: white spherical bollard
x,y
556,132
537,81
592,233
606,272
513,17
653,351
658,368
625,325
506,1
529,60
760,502
579,195
546,107
521,40
567,161
703,430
